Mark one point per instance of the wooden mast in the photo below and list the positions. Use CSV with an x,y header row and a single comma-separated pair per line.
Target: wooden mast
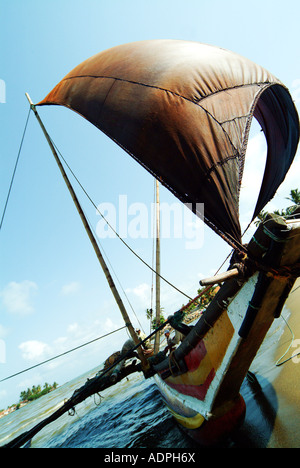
x,y
105,269
157,277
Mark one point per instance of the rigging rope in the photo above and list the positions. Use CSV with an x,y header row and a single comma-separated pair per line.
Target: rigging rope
x,y
15,168
114,231
278,363
62,354
88,389
112,269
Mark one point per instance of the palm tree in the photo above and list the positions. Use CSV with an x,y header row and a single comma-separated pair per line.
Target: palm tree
x,y
23,395
294,196
149,313
161,320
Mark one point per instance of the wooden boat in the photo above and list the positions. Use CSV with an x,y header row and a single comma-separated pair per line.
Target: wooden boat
x,y
183,110
201,381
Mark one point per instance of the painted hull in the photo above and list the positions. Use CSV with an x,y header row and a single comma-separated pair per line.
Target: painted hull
x,y
200,383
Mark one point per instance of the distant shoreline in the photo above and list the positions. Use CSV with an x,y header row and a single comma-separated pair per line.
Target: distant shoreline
x,y
16,406
13,408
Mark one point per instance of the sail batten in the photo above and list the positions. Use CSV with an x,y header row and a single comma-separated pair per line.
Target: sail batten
x,y
183,110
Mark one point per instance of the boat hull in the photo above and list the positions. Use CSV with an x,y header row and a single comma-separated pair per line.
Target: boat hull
x,y
200,382
205,432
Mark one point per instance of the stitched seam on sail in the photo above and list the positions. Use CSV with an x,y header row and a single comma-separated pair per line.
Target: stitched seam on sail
x,y
234,243
212,168
197,103
220,163
234,118
194,101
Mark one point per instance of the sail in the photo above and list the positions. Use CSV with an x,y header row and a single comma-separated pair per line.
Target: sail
x,y
183,110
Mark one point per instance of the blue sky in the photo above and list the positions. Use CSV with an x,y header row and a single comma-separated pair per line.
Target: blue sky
x,y
53,295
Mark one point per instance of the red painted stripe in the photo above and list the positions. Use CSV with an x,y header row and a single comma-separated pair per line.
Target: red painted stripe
x,y
196,391
195,356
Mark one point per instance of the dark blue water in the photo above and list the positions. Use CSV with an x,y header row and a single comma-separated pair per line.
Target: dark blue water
x,y
132,415
129,415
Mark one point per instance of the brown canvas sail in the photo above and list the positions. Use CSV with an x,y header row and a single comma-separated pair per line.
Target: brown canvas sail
x,y
183,110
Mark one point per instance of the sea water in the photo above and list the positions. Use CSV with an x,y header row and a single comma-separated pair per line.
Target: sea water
x,y
129,415
132,415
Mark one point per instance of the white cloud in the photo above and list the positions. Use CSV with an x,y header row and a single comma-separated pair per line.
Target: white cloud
x,y
142,291
32,350
77,334
73,328
70,288
255,161
109,326
17,297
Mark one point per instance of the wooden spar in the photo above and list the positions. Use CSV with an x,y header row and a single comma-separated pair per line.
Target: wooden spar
x,y
157,277
105,269
220,277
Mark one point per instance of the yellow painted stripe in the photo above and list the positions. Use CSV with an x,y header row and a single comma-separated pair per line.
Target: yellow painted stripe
x,y
190,423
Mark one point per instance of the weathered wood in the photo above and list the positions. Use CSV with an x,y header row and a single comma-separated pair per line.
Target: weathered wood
x,y
157,277
221,277
91,236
